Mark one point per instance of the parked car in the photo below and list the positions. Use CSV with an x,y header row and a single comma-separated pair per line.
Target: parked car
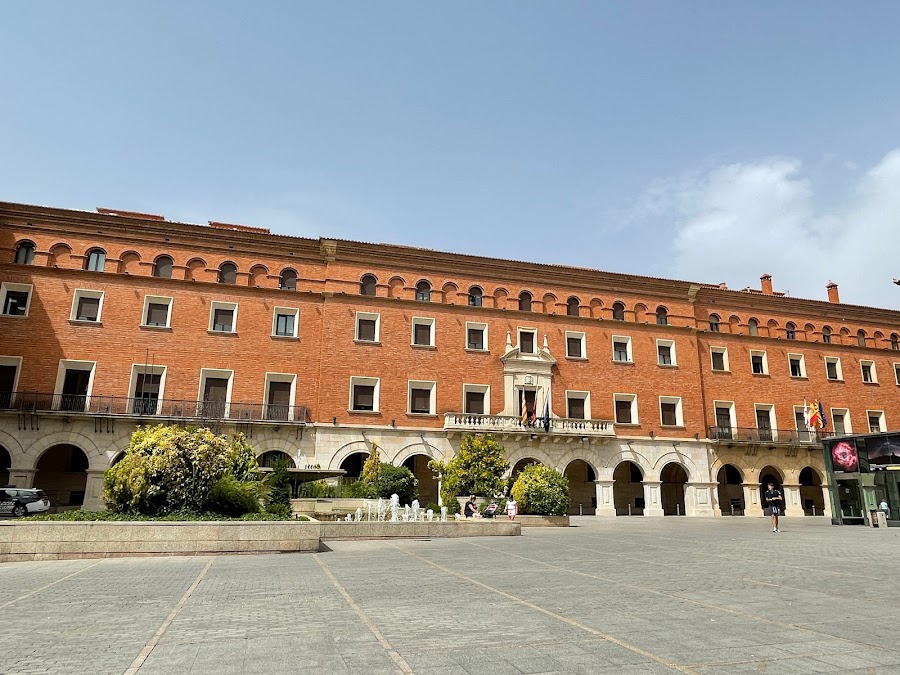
x,y
22,501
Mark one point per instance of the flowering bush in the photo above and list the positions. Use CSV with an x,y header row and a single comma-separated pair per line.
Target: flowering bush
x,y
543,491
477,469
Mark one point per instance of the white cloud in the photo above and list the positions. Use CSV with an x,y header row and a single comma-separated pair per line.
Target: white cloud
x,y
737,221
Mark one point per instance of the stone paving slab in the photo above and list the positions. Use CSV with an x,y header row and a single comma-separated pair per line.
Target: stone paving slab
x,y
615,597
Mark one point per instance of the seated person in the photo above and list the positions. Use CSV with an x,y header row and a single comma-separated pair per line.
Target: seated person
x,y
471,509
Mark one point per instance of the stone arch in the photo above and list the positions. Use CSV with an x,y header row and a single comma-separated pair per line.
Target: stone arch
x,y
673,477
693,472
753,473
61,471
628,488
845,335
808,331
349,449
116,458
618,310
734,324
640,312
258,274
501,295
12,445
416,448
96,458
60,254
549,301
449,291
528,453
396,286
267,458
416,457
596,306
730,490
878,338
812,499
195,268
129,262
582,486
515,468
642,462
118,448
772,328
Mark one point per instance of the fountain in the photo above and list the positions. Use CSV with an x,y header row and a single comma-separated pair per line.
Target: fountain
x,y
358,514
395,508
429,515
443,514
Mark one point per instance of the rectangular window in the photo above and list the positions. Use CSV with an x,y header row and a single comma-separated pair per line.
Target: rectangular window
x,y
86,306
74,382
368,327
147,383
626,408
840,420
364,394
223,317
897,373
215,392
758,363
665,353
765,422
476,399
279,396
10,366
833,368
868,372
15,299
421,397
285,322
527,341
157,311
578,405
725,420
422,332
670,411
476,336
804,435
575,348
797,365
621,349
876,421
719,356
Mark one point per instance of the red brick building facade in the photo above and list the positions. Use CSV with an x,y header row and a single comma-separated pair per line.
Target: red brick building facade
x,y
664,396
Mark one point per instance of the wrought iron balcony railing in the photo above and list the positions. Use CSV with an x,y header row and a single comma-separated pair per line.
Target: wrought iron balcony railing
x,y
148,406
764,435
513,424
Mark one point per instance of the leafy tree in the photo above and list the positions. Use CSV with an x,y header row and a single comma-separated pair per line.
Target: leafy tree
x,y
372,466
477,468
397,480
278,501
542,491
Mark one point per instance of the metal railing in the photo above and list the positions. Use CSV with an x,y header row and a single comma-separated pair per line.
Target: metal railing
x,y
148,406
512,423
765,435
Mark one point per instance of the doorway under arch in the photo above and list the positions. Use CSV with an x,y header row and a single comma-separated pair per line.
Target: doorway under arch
x,y
267,459
428,485
628,489
582,488
353,465
770,474
519,466
811,495
731,491
673,478
5,464
62,475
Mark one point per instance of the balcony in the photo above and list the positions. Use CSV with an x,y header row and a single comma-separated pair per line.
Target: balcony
x,y
746,435
148,407
511,424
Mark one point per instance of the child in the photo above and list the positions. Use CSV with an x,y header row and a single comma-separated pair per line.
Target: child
x,y
511,508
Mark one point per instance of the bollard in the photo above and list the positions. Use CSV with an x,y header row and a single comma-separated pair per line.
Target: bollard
x,y
579,510
629,509
732,509
814,509
678,509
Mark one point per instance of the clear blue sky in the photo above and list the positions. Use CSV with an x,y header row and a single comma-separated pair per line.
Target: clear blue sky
x,y
705,140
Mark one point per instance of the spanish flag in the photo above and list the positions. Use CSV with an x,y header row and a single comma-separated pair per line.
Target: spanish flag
x,y
817,419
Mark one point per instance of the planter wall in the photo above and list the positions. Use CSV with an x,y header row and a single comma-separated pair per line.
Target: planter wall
x,y
543,521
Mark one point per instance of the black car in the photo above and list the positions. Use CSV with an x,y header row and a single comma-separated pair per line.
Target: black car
x,y
22,501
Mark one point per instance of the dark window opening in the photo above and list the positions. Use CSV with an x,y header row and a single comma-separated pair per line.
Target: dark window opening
x,y
476,297
228,273
88,309
96,261
162,268
365,330
573,347
284,325
618,310
364,397
527,342
420,401
288,280
279,401
25,253
669,414
718,360
475,402
573,305
157,314
623,412
367,285
475,338
422,334
15,303
223,320
423,291
576,408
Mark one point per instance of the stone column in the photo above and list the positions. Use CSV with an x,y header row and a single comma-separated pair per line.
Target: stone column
x,y
652,498
606,505
92,490
826,495
698,499
23,478
793,505
752,504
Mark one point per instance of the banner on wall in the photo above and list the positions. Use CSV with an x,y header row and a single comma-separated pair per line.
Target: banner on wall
x,y
884,451
845,457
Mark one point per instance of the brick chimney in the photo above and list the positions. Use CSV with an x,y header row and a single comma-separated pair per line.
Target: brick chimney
x,y
833,292
766,284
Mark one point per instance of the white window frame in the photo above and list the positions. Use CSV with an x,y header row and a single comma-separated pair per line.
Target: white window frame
x,y
366,381
280,377
773,422
580,336
218,304
732,413
838,370
477,389
679,411
146,369
628,351
9,286
432,399
802,359
631,398
671,345
73,364
157,300
475,325
291,311
422,321
584,396
86,293
534,332
882,424
217,373
17,362
871,364
724,352
765,361
367,316
897,372
845,413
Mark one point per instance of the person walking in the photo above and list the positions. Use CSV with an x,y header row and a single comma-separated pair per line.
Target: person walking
x,y
774,504
511,508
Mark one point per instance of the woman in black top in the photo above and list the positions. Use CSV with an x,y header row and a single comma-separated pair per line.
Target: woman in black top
x,y
471,509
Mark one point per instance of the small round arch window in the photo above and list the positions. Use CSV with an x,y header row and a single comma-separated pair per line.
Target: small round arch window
x,y
162,268
790,331
861,338
95,261
524,301
662,316
572,306
228,273
367,285
423,291
25,253
618,311
714,323
476,297
288,280
753,327
826,334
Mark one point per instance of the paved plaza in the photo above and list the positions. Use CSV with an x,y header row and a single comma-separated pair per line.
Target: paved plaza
x,y
618,596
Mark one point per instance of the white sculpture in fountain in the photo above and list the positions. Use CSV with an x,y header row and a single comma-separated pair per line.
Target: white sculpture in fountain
x,y
358,514
415,510
406,513
395,508
443,514
429,515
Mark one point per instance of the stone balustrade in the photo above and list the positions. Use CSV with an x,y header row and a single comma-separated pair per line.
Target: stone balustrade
x,y
512,424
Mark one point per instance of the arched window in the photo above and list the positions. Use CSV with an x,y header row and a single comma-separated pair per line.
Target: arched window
x,y
25,253
714,323
525,301
572,306
826,334
861,338
367,285
618,311
753,327
662,316
790,331
228,273
423,291
96,260
162,268
288,280
895,342
476,297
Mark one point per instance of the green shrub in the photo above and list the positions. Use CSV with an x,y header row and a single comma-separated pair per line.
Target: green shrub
x,y
317,489
362,490
279,484
174,516
434,507
477,468
282,511
167,469
232,497
540,490
397,480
